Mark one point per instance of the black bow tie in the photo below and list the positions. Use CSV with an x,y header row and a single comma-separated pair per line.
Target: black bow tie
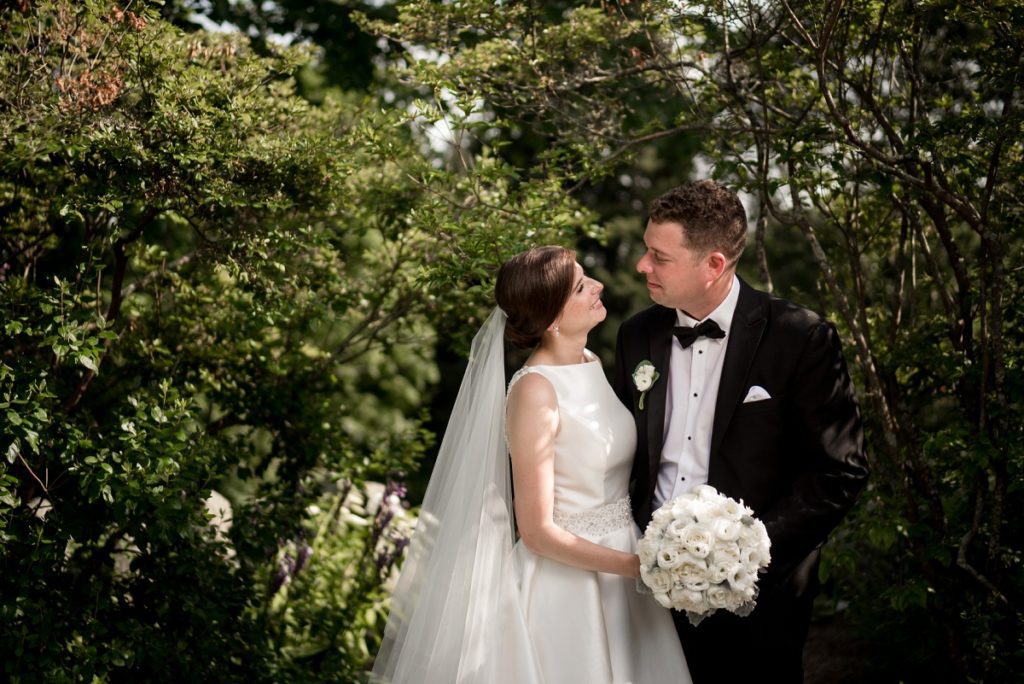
x,y
687,335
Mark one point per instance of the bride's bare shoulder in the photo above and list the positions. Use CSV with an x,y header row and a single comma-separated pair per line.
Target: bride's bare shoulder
x,y
529,387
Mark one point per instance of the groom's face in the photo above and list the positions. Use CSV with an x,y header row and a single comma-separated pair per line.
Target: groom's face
x,y
676,275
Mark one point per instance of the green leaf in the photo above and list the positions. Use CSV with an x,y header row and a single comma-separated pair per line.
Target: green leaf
x,y
32,437
13,451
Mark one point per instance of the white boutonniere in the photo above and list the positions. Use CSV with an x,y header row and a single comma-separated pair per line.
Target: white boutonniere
x,y
644,377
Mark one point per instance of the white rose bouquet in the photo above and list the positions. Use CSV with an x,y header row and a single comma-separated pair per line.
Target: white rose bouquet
x,y
702,552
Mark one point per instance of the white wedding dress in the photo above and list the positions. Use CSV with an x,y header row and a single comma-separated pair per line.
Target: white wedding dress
x,y
474,606
585,626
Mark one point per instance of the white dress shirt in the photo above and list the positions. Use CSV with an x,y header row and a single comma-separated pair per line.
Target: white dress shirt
x,y
694,376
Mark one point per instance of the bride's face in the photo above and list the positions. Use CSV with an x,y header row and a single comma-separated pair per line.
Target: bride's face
x,y
583,310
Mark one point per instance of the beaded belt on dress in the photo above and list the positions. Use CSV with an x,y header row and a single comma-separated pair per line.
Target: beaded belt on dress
x,y
596,521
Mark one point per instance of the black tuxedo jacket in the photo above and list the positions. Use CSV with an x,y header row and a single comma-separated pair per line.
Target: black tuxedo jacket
x,y
797,459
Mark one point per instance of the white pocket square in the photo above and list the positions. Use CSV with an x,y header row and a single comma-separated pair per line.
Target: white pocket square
x,y
756,393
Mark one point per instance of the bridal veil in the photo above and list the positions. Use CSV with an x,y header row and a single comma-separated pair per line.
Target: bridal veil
x,y
455,614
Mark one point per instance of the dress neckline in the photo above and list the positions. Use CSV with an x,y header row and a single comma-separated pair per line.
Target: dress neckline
x,y
594,360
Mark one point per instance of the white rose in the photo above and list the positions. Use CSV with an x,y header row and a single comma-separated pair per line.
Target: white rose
x,y
719,597
668,558
727,529
657,580
692,573
682,505
706,492
648,552
697,584
741,580
753,558
727,552
702,510
688,600
722,569
744,595
758,526
748,536
755,536
669,553
663,599
762,532
677,527
698,539
643,376
663,516
730,509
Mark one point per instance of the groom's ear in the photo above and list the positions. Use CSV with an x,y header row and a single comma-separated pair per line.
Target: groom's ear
x,y
716,263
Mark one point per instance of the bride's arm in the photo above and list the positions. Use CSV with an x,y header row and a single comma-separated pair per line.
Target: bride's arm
x,y
532,423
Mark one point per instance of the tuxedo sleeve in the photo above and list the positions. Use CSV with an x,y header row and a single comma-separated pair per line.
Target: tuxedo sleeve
x,y
829,441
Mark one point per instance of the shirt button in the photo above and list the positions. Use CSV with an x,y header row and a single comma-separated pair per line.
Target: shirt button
x,y
694,394
689,438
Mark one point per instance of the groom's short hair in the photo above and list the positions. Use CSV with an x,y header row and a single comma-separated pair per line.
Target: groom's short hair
x,y
712,217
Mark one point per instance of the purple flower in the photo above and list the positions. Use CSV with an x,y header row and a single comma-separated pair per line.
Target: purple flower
x,y
383,561
384,517
305,552
395,487
284,572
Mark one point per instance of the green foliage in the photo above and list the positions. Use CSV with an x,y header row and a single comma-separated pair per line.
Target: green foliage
x,y
878,145
219,272
329,593
570,76
209,283
346,54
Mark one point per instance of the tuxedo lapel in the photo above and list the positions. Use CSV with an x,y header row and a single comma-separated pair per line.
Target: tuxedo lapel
x,y
748,323
661,356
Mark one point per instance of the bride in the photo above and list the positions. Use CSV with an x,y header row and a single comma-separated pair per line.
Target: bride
x,y
473,604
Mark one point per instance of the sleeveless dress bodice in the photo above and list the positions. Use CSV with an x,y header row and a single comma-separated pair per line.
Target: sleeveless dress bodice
x,y
596,437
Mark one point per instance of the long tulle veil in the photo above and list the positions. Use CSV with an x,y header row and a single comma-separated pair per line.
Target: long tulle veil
x,y
454,613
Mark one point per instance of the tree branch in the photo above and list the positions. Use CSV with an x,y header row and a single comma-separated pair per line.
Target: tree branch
x,y
965,543
116,297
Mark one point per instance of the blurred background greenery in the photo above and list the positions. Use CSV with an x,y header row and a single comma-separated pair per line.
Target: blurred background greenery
x,y
244,245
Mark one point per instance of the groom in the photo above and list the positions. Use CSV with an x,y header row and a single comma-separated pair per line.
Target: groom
x,y
754,399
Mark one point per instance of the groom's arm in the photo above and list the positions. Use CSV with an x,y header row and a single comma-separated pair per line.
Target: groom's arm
x,y
828,435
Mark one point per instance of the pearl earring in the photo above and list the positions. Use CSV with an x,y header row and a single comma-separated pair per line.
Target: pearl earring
x,y
556,330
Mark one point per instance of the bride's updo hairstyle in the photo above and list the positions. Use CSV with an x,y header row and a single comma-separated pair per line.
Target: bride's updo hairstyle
x,y
531,289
